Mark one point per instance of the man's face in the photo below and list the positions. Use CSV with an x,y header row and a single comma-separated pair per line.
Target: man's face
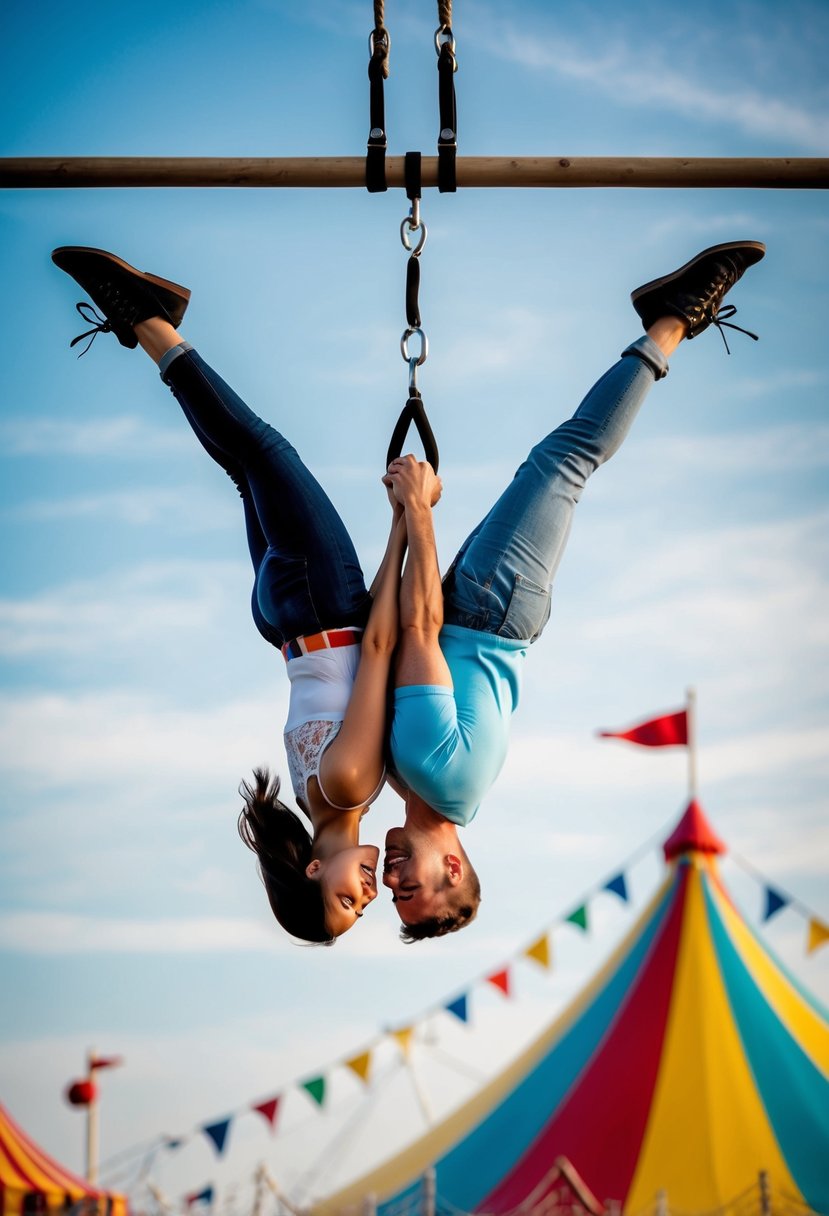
x,y
415,873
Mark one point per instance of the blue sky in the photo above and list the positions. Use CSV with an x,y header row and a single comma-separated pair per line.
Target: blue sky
x,y
136,693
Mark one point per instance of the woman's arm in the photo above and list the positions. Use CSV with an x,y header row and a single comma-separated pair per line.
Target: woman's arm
x,y
352,766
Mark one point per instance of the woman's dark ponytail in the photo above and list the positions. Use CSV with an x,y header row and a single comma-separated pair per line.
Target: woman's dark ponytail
x,y
281,841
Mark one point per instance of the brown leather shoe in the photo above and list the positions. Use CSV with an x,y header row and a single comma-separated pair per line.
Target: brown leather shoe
x,y
124,295
695,291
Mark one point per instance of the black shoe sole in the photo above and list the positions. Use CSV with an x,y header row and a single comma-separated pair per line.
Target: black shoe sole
x,y
172,297
755,248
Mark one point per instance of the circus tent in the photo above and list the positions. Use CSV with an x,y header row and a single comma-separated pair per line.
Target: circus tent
x,y
690,1067
31,1181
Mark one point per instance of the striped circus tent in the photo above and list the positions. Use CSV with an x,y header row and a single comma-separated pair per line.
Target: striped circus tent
x,y
689,1076
31,1181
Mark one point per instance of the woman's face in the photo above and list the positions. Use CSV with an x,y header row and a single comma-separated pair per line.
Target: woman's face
x,y
349,884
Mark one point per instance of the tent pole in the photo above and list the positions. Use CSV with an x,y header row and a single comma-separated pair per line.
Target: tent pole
x,y
60,172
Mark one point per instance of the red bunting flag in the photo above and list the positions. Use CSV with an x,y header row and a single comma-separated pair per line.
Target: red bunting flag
x,y
671,730
106,1061
268,1110
500,979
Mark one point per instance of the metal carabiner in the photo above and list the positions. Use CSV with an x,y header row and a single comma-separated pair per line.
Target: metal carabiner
x,y
413,365
408,226
445,37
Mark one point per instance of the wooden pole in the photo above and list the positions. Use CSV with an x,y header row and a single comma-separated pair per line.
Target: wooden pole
x,y
652,172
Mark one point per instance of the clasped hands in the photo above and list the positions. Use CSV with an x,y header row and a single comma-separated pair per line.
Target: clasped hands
x,y
412,483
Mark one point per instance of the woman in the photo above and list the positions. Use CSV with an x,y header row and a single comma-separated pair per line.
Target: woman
x,y
309,599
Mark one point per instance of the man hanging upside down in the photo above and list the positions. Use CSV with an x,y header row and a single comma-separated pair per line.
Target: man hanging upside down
x,y
463,642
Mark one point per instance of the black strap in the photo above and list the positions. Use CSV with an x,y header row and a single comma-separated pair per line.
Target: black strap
x,y
448,137
412,182
377,142
413,412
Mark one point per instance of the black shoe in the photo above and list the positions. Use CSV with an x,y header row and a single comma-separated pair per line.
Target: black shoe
x,y
695,291
123,294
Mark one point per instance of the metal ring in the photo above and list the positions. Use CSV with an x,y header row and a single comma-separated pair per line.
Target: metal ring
x,y
406,228
444,37
385,34
409,332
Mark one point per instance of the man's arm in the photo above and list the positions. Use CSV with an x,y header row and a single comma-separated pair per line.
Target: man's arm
x,y
419,659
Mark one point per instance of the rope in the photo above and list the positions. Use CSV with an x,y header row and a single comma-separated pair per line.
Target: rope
x,y
444,12
381,36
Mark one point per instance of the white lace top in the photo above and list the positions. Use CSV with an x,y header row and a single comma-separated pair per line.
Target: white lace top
x,y
321,684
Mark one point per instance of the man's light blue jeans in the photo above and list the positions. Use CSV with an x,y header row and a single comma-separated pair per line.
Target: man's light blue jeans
x,y
500,581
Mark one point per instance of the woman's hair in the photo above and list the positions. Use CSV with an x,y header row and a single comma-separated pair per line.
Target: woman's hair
x,y
281,842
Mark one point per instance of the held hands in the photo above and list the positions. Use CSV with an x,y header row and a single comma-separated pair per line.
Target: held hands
x,y
412,483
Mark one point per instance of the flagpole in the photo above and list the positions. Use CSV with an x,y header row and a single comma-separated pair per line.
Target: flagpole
x,y
92,1127
691,710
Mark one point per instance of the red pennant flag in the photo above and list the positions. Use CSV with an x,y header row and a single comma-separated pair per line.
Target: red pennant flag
x,y
500,979
106,1061
268,1110
671,730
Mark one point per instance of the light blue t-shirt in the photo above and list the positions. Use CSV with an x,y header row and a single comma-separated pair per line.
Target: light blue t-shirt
x,y
448,744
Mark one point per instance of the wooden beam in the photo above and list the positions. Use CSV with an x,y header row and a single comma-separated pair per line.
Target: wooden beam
x,y
659,172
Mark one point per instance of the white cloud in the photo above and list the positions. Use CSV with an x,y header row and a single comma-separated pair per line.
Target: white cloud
x,y
152,601
124,437
639,77
64,933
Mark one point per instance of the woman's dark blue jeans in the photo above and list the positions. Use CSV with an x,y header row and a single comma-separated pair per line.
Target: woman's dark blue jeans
x,y
306,573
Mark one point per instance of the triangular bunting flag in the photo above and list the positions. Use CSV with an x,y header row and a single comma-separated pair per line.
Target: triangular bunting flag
x,y
268,1110
818,935
539,951
459,1008
618,886
316,1088
203,1196
361,1065
404,1038
579,917
217,1132
500,979
774,902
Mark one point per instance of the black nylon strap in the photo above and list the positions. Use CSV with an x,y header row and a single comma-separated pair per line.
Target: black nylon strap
x,y
448,137
412,289
411,174
376,149
413,411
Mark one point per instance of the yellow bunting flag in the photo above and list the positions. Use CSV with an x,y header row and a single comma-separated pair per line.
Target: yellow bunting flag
x,y
361,1065
404,1038
539,951
818,935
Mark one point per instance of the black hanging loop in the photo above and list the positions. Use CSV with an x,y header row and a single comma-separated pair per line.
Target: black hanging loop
x,y
413,411
378,69
413,236
448,136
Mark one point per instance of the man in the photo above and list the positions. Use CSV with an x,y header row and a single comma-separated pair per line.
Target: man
x,y
463,644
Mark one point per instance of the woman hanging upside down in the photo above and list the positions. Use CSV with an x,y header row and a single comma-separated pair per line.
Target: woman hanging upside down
x,y
309,600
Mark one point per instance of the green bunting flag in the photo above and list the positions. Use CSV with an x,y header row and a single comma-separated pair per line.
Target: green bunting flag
x,y
579,917
316,1089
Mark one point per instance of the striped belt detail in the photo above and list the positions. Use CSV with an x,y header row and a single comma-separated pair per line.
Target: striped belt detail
x,y
329,639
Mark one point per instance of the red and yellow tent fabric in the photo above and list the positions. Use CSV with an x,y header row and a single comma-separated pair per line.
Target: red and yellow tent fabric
x,y
32,1182
692,1064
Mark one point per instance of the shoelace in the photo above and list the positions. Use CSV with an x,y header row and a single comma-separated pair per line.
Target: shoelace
x,y
101,326
718,319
